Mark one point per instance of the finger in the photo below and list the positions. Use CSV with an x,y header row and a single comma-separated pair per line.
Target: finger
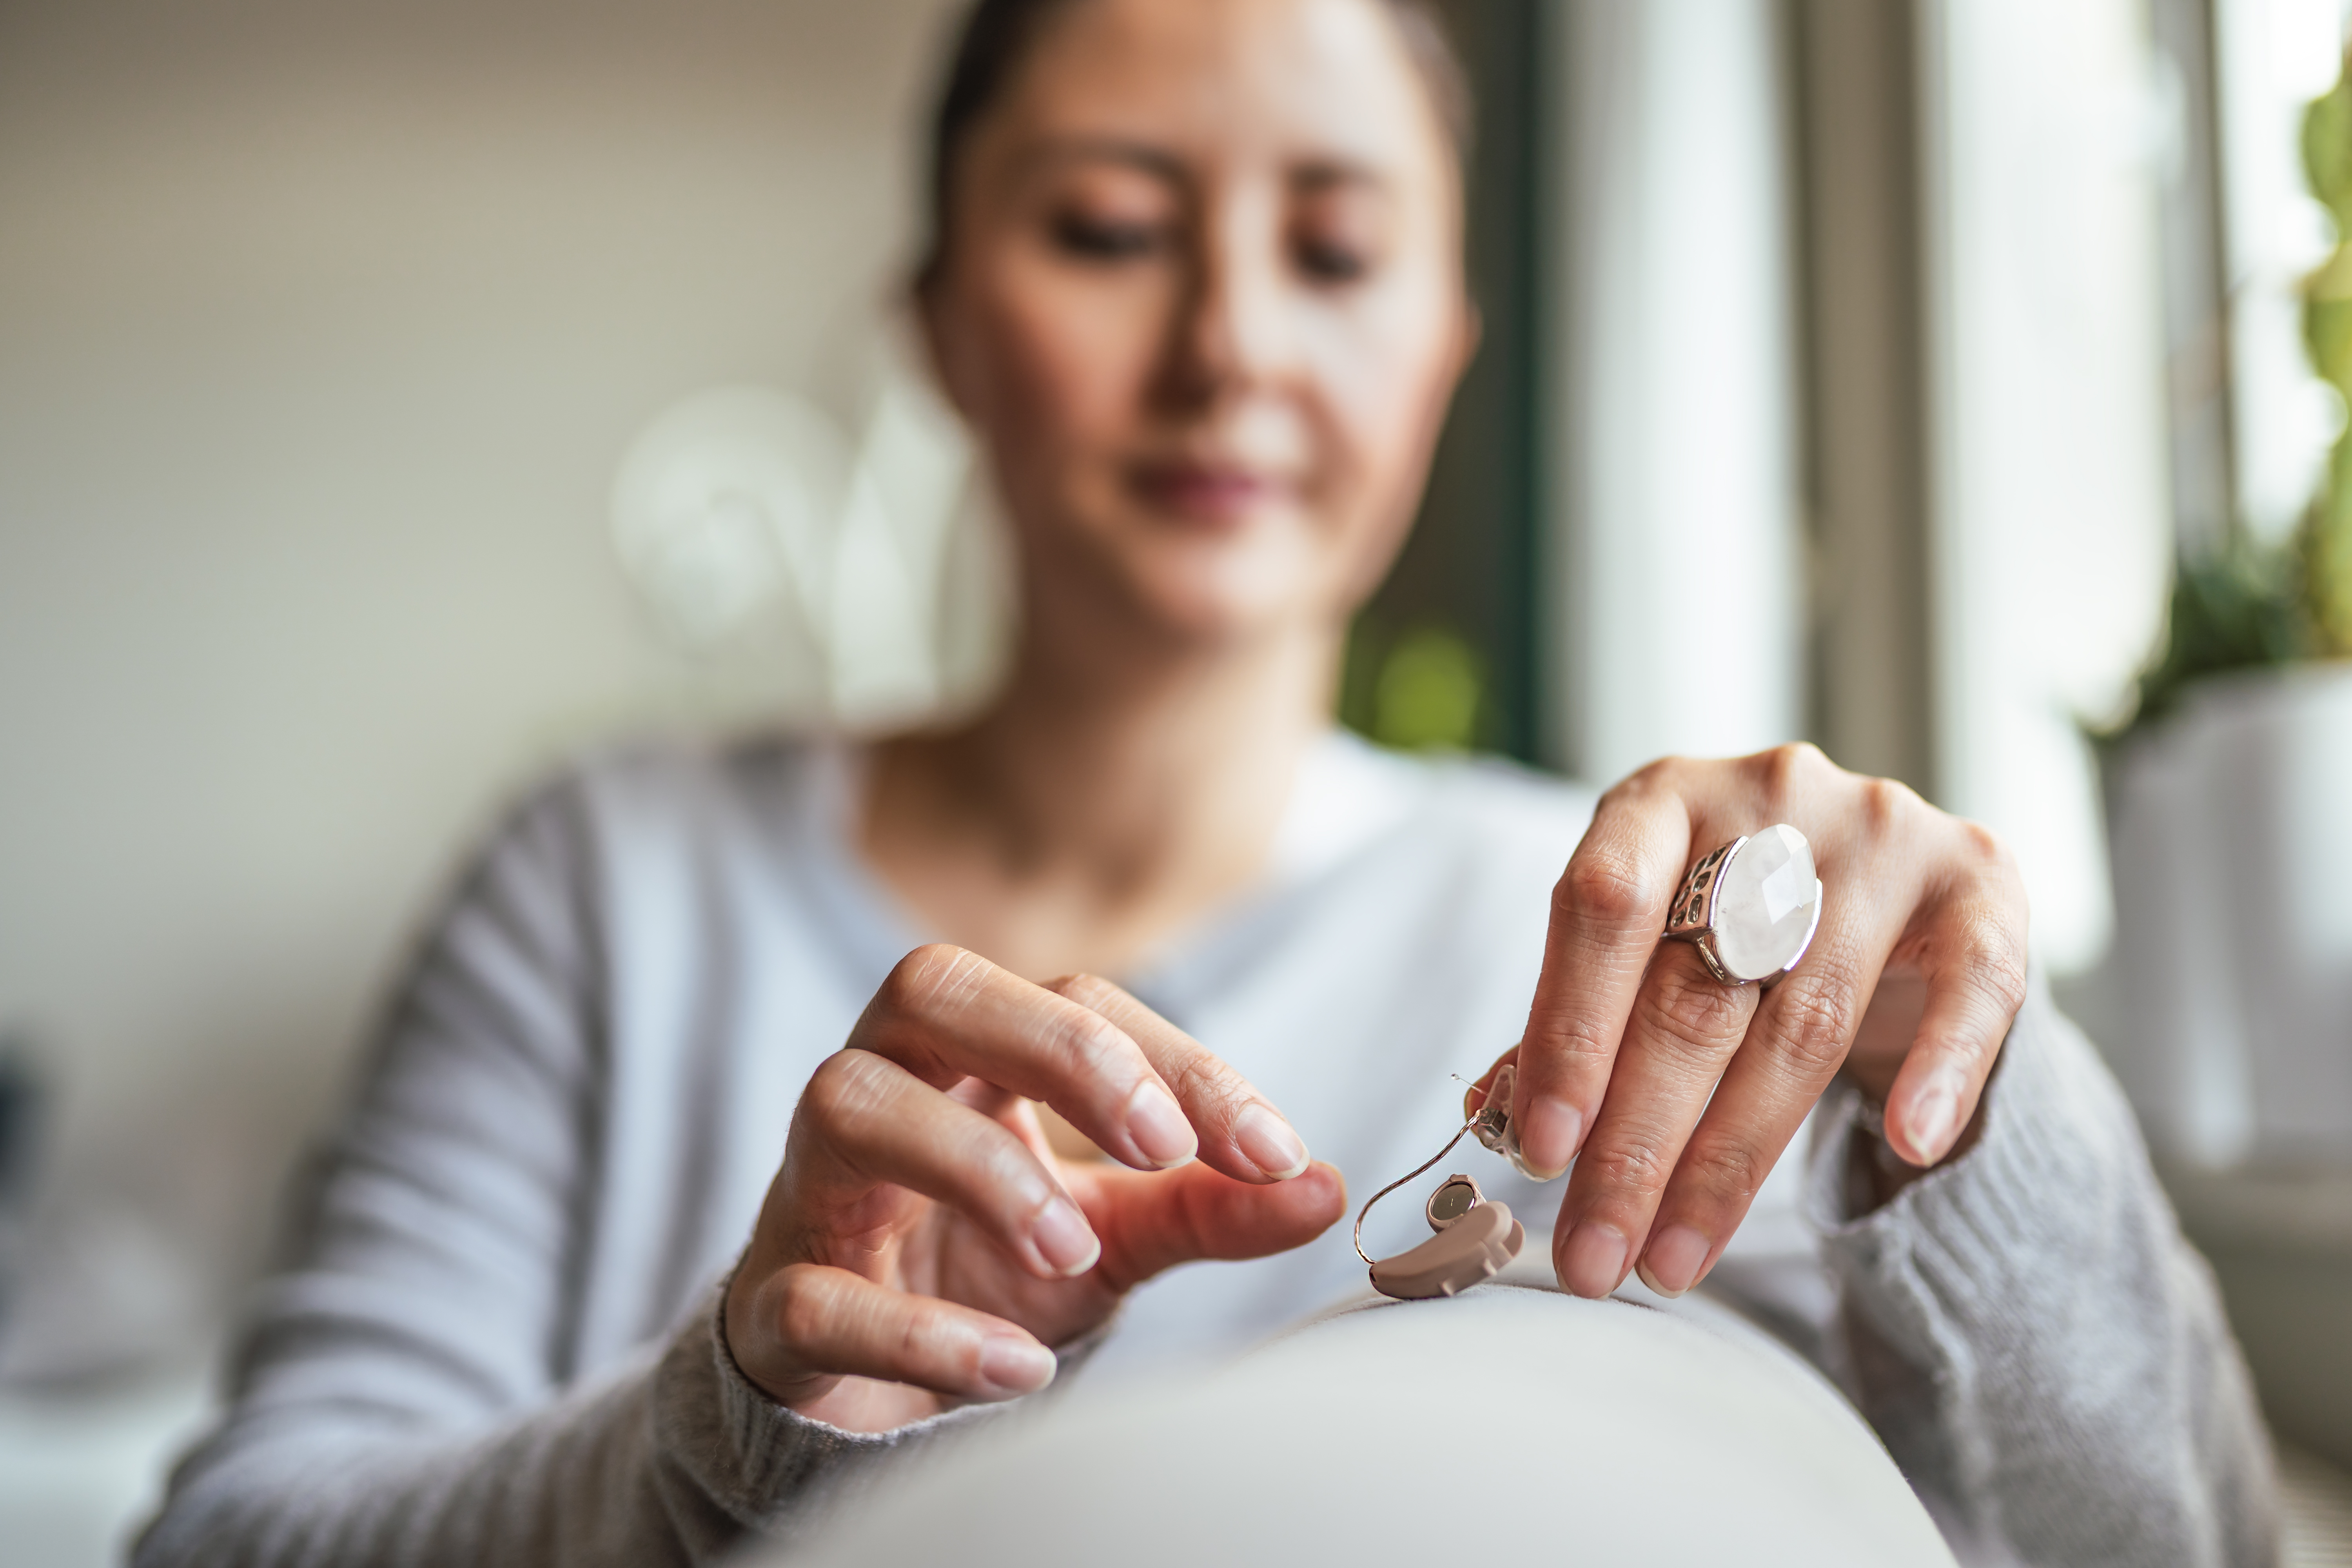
x,y
1803,1030
1975,964
1807,1026
1801,1033
944,1014
1606,916
1684,1027
1889,1024
1023,1117
1241,1134
866,1120
823,1324
1151,1223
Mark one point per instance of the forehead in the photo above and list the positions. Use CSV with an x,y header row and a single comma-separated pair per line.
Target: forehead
x,y
1221,81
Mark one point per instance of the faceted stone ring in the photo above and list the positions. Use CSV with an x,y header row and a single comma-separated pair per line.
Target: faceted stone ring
x,y
1751,907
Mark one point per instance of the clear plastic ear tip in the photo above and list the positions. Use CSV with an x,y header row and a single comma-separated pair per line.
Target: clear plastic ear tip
x,y
1492,1125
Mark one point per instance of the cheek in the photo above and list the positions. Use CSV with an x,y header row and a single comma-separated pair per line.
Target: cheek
x,y
1071,358
1385,370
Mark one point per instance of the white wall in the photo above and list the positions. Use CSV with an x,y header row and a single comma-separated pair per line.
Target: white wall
x,y
321,329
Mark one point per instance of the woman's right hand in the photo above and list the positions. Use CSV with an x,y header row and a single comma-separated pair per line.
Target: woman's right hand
x,y
922,1245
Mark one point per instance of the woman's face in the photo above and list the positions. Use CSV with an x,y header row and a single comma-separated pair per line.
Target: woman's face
x,y
1202,301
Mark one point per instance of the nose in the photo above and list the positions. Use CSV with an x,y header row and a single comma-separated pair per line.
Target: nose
x,y
1234,327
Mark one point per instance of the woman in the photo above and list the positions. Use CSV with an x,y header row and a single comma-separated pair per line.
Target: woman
x,y
1195,285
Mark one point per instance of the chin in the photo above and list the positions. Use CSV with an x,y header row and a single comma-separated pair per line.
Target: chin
x,y
1236,588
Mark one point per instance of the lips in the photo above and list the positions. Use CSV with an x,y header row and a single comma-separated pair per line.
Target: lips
x,y
1210,493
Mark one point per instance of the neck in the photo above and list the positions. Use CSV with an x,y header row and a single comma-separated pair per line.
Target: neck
x,y
1108,798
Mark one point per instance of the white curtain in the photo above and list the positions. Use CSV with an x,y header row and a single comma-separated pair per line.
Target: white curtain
x,y
2052,525
1672,472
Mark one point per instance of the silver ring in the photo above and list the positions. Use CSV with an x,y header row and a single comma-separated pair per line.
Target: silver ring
x,y
1751,907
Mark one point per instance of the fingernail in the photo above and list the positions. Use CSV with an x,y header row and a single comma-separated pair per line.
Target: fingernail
x,y
1064,1239
1266,1140
1015,1365
1593,1262
1547,1137
1931,1122
1670,1265
1157,1124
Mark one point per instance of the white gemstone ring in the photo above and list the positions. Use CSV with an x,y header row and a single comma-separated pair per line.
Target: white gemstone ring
x,y
1751,907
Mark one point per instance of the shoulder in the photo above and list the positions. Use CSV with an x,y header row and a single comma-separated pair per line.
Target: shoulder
x,y
622,856
672,778
662,789
619,823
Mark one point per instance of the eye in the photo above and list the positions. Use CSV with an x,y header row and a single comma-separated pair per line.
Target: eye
x,y
1331,261
1104,239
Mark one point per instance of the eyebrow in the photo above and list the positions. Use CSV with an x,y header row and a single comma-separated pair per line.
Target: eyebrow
x,y
1320,171
1139,155
1340,173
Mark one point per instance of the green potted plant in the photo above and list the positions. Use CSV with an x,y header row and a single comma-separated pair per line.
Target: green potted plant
x,y
2230,822
2229,804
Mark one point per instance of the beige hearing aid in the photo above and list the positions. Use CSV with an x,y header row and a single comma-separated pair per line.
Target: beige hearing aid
x,y
1473,1247
1474,1238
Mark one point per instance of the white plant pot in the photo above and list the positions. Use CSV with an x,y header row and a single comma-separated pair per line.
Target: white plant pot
x,y
2231,828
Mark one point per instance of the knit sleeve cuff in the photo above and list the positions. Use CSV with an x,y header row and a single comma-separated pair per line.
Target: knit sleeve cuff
x,y
2054,1164
763,1465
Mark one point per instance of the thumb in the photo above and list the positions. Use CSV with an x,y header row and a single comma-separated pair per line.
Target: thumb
x,y
1153,1220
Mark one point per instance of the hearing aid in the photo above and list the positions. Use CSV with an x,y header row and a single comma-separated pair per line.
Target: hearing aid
x,y
1474,1236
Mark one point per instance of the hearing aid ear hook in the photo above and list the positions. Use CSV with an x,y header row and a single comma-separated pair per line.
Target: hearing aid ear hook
x,y
1474,1238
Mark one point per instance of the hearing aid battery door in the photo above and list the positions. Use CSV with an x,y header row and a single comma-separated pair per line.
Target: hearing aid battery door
x,y
1454,1197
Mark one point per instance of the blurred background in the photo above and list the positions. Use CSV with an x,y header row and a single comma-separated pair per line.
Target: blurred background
x,y
397,400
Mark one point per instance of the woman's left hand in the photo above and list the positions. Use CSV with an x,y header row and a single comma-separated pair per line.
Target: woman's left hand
x,y
1681,1091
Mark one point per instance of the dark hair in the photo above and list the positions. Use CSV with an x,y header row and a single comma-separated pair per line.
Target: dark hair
x,y
997,36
